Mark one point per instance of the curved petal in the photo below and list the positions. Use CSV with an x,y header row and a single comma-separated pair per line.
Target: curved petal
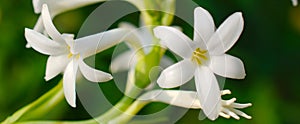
x,y
69,82
208,92
227,34
43,44
227,66
175,40
93,44
56,7
92,74
140,41
204,26
56,65
123,61
49,26
39,25
177,74
185,99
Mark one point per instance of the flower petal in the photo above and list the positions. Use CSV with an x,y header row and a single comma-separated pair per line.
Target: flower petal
x,y
175,40
69,82
227,66
185,99
92,74
177,74
96,43
227,34
43,44
123,61
208,92
56,7
204,26
56,65
49,26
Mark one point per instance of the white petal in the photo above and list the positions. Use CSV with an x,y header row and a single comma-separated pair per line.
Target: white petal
x,y
93,44
138,32
204,26
227,66
227,34
92,74
49,26
185,99
208,92
56,65
175,40
39,25
177,74
123,61
43,44
60,6
69,83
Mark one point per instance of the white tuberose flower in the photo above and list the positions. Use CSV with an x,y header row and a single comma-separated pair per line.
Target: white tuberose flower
x,y
188,99
67,54
203,57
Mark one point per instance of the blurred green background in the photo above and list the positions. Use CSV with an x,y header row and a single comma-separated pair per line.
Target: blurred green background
x,y
268,47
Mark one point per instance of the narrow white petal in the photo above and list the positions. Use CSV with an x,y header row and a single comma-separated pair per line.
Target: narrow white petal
x,y
208,92
43,44
92,74
225,92
93,44
175,40
177,74
69,83
240,113
240,106
224,115
49,26
57,7
185,99
56,65
138,32
227,66
123,62
228,102
232,114
295,2
39,25
204,26
226,35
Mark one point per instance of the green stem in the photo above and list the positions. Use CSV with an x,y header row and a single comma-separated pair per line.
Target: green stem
x,y
40,107
126,116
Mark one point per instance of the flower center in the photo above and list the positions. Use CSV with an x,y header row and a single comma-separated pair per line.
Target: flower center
x,y
199,56
70,55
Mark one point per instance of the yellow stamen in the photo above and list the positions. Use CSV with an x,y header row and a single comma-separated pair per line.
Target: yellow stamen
x,y
199,55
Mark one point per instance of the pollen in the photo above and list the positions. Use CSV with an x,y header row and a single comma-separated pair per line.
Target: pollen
x,y
199,56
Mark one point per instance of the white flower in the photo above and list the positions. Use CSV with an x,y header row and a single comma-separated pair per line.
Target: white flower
x,y
295,2
127,60
58,6
67,54
188,99
203,57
